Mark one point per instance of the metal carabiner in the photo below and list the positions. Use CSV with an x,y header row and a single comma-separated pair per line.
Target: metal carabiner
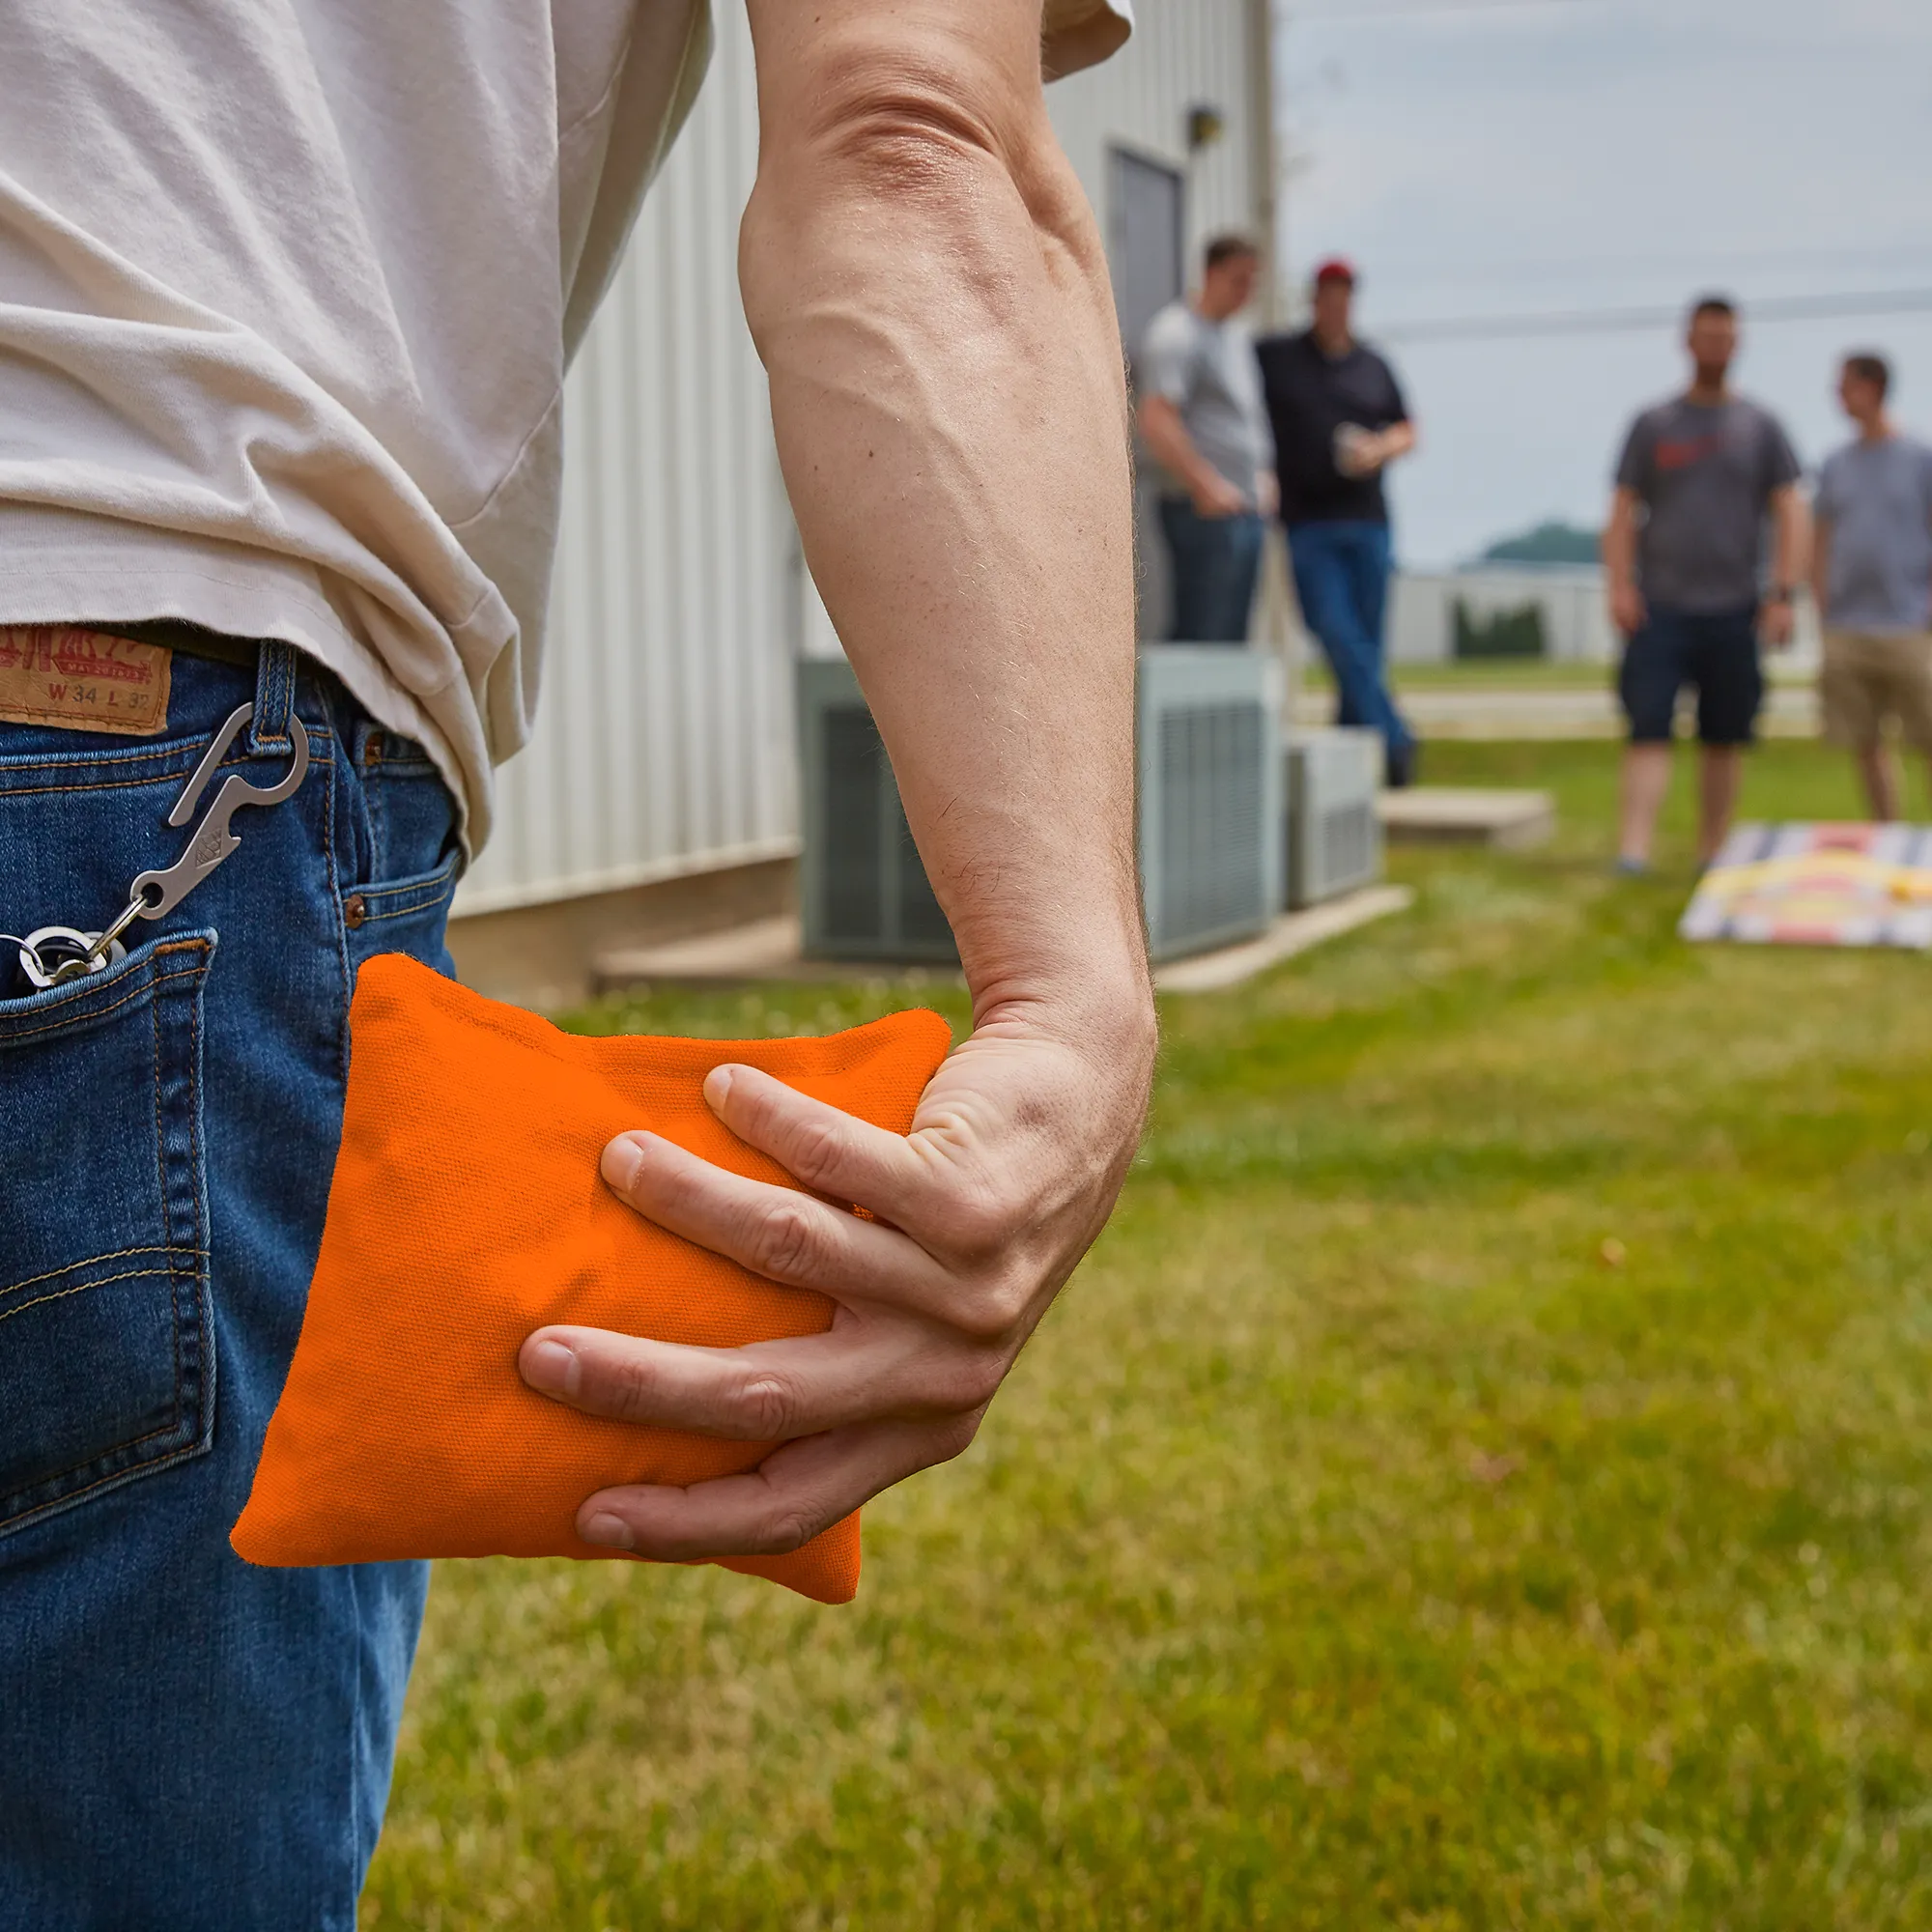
x,y
157,893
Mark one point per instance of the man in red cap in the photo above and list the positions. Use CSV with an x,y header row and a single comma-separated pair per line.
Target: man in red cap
x,y
1339,419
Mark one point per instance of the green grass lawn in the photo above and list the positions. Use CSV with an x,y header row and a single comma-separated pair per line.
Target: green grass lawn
x,y
1480,1480
1521,674
1476,675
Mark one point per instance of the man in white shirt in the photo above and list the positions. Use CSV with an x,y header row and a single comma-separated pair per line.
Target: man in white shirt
x,y
1871,574
1201,419
287,290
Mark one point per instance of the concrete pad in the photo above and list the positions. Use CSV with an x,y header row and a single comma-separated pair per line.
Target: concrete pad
x,y
1291,933
769,948
764,949
1487,713
1466,815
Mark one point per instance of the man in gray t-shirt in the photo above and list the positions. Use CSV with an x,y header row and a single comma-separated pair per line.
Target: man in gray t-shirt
x,y
1871,573
1682,559
1202,418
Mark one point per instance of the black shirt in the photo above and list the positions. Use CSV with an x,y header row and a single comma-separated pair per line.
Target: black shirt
x,y
1309,397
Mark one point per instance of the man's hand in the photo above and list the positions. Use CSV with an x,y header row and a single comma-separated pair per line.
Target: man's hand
x,y
1013,1162
1167,438
1791,545
1628,611
1214,496
1367,452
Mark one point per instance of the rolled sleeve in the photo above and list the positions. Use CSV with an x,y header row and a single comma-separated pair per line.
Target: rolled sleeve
x,y
1163,366
1076,34
1634,465
1781,465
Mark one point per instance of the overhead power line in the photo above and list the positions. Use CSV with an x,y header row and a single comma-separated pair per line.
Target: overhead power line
x,y
1397,9
1613,320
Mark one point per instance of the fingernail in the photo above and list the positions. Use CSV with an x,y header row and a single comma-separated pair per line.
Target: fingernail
x,y
611,1531
718,1086
620,1163
553,1368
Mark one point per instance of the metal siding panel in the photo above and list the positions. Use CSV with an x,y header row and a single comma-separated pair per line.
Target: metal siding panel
x,y
664,739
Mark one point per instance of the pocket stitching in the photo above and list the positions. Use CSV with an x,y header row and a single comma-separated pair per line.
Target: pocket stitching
x,y
112,1255
194,1254
167,1198
432,886
80,1013
113,1476
116,783
81,1288
427,904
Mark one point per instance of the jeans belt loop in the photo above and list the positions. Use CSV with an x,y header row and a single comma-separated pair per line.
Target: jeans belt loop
x,y
276,671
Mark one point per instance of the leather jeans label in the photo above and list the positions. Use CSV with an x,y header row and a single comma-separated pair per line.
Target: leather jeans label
x,y
80,681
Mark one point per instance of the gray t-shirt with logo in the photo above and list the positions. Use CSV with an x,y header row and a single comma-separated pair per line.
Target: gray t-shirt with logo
x,y
1208,372
1705,475
1877,496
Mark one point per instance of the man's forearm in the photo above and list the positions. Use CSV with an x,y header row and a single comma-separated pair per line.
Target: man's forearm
x,y
1788,556
931,298
1619,542
1172,447
1396,440
1821,564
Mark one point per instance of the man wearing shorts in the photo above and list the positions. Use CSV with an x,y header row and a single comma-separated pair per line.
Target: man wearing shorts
x,y
287,292
1682,559
1871,573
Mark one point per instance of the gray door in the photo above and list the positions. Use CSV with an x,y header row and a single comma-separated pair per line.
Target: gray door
x,y
1147,226
1147,218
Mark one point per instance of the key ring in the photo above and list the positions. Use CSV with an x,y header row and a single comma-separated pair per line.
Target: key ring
x,y
154,893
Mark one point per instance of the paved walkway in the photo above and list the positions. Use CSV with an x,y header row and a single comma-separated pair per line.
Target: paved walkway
x,y
1790,711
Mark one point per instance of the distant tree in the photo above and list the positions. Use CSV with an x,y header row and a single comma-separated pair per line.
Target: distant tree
x,y
1551,542
1503,634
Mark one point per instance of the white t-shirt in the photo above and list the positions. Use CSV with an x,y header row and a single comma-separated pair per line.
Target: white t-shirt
x,y
287,288
1208,372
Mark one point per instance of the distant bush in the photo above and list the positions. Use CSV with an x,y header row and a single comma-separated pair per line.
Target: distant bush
x,y
1548,543
1502,634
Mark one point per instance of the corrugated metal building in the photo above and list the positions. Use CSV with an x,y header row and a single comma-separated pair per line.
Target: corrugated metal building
x,y
658,793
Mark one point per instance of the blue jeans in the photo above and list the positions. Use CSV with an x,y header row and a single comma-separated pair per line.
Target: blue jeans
x,y
1214,561
188,1742
1341,581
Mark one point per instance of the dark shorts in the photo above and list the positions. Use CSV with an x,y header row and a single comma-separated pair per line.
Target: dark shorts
x,y
1716,651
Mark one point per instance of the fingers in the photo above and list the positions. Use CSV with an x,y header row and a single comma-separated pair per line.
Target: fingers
x,y
777,1232
833,1154
800,1490
765,1392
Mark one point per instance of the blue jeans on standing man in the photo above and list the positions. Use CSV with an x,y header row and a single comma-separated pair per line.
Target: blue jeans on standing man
x,y
189,1740
1214,561
1341,581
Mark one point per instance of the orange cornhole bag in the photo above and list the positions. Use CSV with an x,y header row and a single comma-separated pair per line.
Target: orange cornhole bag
x,y
465,1210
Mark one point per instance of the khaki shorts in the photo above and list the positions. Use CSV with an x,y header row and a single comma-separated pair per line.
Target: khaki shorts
x,y
1868,678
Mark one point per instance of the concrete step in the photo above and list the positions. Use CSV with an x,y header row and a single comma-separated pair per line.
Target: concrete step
x,y
769,949
1466,815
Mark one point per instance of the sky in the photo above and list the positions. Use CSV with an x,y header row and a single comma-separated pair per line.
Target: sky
x,y
1511,159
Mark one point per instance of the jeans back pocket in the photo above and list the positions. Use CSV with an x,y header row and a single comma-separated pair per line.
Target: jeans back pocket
x,y
106,1341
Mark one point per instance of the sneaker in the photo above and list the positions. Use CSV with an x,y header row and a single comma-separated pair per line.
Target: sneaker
x,y
1627,867
1400,765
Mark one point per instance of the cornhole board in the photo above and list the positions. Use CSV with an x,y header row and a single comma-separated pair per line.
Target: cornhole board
x,y
1817,885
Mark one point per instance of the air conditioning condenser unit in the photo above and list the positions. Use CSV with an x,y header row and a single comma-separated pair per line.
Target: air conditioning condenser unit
x,y
863,892
1209,778
1334,839
1210,803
